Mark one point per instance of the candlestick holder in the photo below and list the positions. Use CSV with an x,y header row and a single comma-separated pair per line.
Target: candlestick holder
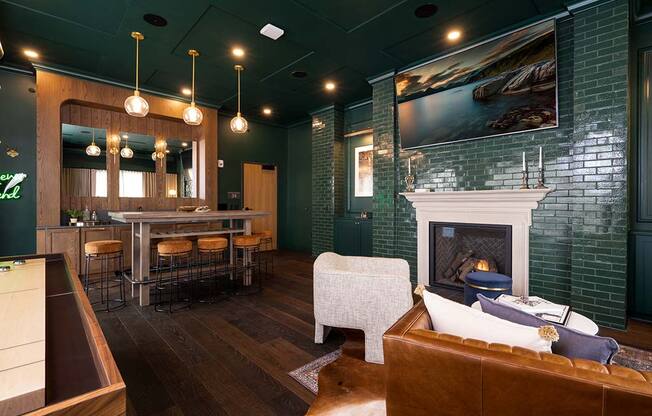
x,y
409,183
524,179
540,184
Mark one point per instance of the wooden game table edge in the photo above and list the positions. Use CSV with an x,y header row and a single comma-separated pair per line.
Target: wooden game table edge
x,y
111,398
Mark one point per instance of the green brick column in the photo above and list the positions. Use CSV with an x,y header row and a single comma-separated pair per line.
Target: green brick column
x,y
599,151
385,166
327,175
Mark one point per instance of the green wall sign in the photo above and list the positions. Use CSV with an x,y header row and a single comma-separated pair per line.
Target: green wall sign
x,y
10,185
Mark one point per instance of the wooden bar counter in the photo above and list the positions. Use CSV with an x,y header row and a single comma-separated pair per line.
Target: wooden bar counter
x,y
141,234
54,359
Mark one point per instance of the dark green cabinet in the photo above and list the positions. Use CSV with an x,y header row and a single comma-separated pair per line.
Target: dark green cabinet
x,y
353,236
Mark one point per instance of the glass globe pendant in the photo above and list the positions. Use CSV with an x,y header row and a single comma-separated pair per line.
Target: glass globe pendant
x,y
93,149
192,115
126,152
136,105
238,123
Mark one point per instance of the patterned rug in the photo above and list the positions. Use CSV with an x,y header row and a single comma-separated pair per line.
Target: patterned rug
x,y
307,375
631,357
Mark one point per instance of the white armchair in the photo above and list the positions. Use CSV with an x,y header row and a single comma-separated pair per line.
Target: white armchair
x,y
366,293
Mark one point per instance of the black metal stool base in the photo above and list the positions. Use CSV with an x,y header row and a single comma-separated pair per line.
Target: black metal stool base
x,y
106,282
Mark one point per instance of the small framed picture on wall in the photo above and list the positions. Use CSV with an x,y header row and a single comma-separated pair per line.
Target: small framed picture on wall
x,y
364,174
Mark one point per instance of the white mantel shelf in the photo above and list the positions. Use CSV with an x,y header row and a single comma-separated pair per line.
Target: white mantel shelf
x,y
503,207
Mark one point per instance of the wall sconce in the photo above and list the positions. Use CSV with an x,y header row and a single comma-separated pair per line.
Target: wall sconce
x,y
159,150
113,145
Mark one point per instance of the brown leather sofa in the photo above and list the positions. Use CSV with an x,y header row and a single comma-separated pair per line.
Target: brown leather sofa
x,y
429,373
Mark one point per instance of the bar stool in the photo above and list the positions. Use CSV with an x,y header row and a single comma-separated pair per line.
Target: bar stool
x,y
211,252
173,256
247,264
106,252
266,247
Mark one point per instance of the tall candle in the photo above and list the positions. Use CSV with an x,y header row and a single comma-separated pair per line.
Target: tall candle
x,y
523,161
540,157
409,166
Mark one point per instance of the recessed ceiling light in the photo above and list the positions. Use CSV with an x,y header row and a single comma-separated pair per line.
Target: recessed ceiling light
x,y
155,20
299,74
330,86
271,31
425,11
184,144
267,111
454,35
239,52
30,53
186,91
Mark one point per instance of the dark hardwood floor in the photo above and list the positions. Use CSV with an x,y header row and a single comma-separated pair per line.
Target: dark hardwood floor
x,y
227,358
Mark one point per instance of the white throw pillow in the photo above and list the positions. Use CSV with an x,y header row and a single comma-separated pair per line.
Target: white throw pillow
x,y
456,319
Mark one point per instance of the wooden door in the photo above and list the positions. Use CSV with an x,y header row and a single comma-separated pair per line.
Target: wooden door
x,y
260,194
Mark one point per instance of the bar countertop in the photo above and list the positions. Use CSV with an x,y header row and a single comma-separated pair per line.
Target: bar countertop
x,y
176,217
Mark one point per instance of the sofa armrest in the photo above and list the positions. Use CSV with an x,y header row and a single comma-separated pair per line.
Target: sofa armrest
x,y
415,318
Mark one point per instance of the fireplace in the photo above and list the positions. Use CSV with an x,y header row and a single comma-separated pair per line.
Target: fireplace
x,y
457,249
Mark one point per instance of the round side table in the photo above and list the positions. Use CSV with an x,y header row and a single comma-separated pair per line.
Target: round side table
x,y
576,321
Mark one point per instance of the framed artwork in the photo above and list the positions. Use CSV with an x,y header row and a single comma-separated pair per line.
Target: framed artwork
x,y
364,173
505,85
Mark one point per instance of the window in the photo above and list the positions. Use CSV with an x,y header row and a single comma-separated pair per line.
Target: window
x,y
100,183
137,184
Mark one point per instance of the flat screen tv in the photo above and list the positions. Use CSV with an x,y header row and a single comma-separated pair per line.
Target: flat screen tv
x,y
502,86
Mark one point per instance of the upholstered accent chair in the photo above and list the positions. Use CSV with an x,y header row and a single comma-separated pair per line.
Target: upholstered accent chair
x,y
366,293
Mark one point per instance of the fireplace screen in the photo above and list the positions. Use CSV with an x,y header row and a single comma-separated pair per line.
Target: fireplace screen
x,y
459,249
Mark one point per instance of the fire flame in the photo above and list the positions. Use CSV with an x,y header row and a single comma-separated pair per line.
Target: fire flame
x,y
482,265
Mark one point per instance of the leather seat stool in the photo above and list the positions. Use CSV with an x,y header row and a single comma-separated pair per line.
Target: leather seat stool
x,y
247,276
213,264
173,258
489,284
107,253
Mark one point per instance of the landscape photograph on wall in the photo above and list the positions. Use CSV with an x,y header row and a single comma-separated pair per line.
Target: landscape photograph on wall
x,y
505,85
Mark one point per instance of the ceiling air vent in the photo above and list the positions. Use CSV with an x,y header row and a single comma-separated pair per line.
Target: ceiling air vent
x,y
271,31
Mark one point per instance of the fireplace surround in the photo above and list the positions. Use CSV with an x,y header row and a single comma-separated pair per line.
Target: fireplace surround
x,y
511,207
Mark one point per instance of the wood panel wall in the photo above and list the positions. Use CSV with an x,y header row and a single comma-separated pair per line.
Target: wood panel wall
x,y
64,99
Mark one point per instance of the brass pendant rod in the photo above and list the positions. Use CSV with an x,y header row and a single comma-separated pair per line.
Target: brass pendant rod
x,y
238,91
193,79
137,41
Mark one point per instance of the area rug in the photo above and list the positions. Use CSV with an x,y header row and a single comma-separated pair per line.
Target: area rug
x,y
634,358
307,375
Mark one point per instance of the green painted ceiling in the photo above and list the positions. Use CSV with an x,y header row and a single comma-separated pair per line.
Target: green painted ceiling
x,y
346,41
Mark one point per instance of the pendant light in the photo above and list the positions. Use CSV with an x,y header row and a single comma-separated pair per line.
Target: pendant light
x,y
192,115
93,149
238,123
126,152
136,105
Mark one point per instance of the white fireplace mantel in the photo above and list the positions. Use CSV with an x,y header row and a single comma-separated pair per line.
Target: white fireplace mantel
x,y
503,207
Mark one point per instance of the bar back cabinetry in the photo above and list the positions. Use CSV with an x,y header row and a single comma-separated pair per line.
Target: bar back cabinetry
x,y
353,236
71,240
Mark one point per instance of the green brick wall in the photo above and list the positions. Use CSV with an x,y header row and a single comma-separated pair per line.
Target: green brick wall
x,y
578,245
327,176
